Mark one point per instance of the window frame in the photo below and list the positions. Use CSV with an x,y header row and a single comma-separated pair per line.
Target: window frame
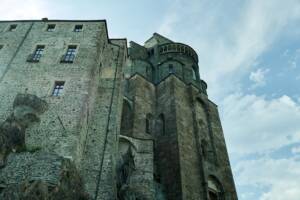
x,y
12,27
171,69
70,54
49,27
38,53
58,88
78,28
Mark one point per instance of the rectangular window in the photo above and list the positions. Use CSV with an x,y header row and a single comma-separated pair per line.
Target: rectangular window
x,y
1,46
12,27
70,55
36,56
171,69
58,88
78,28
38,53
51,27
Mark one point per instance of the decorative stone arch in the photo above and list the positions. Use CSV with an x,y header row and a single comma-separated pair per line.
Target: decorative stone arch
x,y
215,188
127,118
126,141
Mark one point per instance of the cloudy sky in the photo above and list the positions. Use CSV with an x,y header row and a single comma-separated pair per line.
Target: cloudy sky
x,y
249,52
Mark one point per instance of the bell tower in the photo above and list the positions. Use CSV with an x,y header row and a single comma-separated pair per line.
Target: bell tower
x,y
170,128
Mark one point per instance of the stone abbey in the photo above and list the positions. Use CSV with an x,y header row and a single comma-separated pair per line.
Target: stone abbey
x,y
84,117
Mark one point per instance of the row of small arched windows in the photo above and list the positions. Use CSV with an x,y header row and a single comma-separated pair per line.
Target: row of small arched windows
x,y
178,48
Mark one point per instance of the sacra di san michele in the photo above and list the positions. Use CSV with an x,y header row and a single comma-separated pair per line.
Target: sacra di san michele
x,y
84,117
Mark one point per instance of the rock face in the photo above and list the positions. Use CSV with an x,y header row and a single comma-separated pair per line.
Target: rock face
x,y
83,117
40,175
26,111
31,173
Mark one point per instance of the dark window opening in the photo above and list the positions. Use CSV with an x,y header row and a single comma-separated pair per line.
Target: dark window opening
x,y
51,27
213,195
1,46
127,119
214,189
171,69
36,56
148,123
70,54
151,52
58,88
78,28
12,27
147,126
149,72
194,76
161,124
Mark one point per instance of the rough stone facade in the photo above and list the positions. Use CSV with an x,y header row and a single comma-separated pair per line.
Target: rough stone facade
x,y
101,123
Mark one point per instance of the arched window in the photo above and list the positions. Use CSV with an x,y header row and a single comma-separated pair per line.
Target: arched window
x,y
127,119
171,69
148,71
194,75
149,119
161,124
215,190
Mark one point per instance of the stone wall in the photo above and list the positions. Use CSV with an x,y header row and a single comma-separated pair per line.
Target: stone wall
x,y
81,124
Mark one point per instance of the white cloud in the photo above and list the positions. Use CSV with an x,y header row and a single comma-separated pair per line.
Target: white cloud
x,y
280,176
296,150
257,126
292,62
166,26
258,77
254,124
228,38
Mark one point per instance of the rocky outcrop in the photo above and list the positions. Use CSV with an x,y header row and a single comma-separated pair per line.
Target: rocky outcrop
x,y
32,174
40,175
26,111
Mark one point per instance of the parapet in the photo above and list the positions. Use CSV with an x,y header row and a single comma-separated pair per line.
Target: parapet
x,y
178,48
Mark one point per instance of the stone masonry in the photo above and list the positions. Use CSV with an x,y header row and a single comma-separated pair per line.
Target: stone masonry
x,y
83,117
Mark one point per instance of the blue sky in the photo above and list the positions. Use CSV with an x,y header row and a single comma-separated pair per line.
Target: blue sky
x,y
249,52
